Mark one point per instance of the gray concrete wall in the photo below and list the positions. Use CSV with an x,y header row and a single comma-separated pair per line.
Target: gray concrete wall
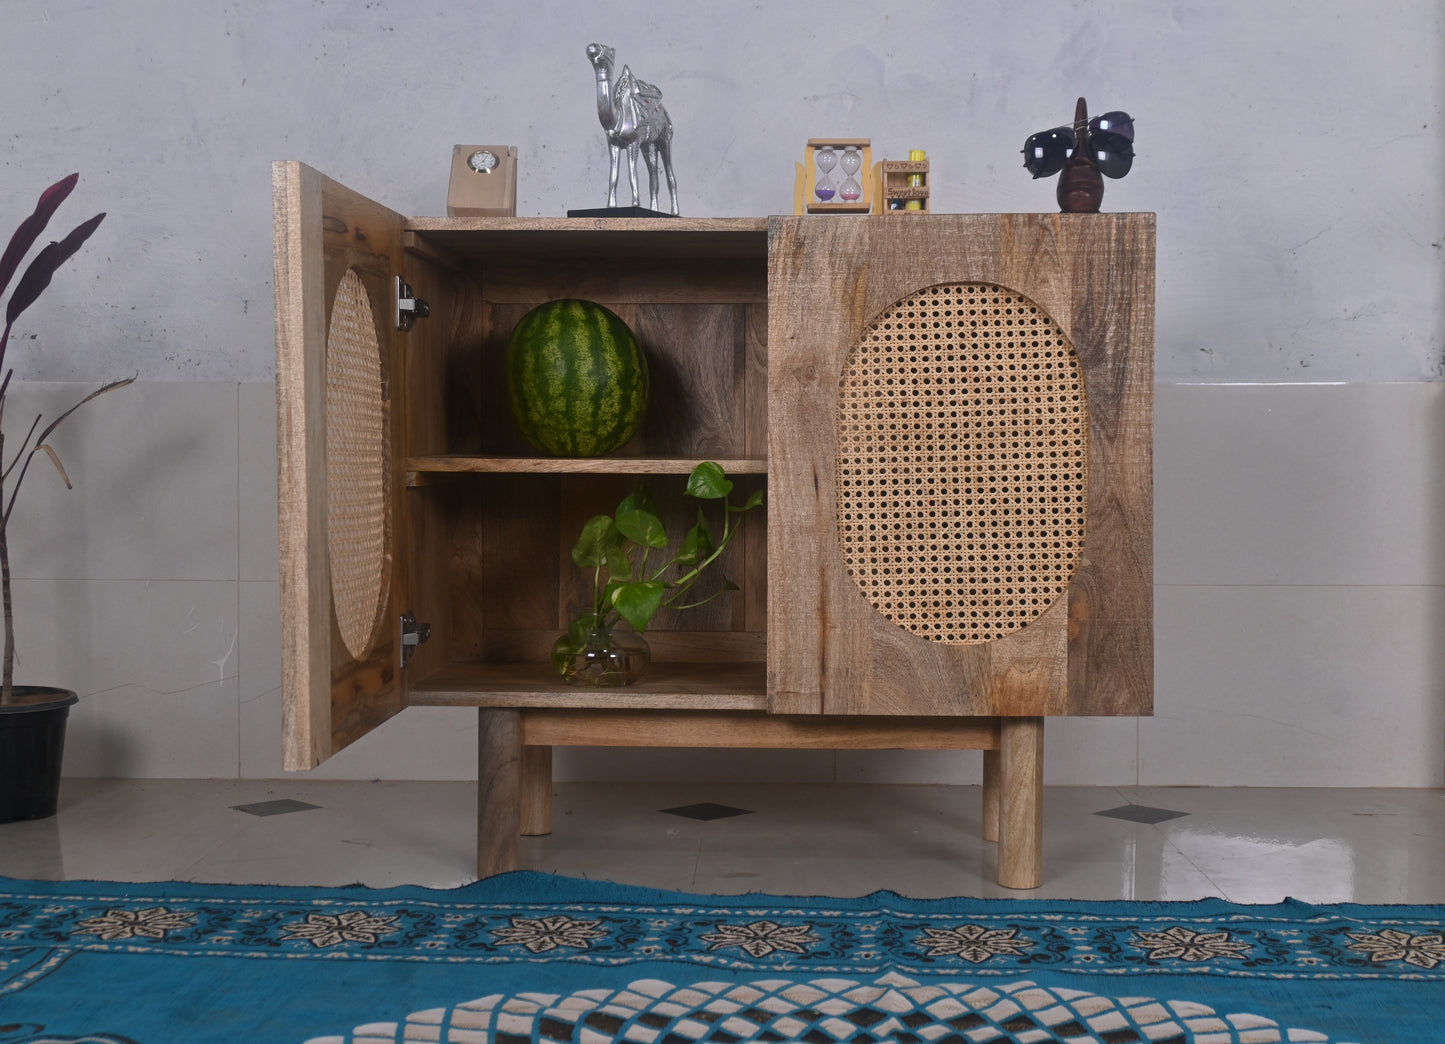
x,y
1293,153
1293,150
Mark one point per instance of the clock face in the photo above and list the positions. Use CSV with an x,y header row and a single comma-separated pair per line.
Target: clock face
x,y
482,161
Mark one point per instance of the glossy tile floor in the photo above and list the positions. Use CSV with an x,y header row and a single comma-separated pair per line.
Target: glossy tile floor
x,y
1246,845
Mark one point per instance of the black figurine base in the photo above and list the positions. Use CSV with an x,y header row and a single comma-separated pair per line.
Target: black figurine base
x,y
618,212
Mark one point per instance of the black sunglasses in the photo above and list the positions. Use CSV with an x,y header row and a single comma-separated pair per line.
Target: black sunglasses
x,y
1111,146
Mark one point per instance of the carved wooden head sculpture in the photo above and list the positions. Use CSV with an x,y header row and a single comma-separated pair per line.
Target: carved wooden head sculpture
x,y
1085,152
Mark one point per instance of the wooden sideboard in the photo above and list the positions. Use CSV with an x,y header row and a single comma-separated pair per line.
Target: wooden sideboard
x,y
951,417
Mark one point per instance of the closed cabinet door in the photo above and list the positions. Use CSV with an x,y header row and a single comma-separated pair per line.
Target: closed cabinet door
x,y
960,464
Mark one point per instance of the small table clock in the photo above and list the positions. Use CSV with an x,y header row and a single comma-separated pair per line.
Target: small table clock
x,y
484,181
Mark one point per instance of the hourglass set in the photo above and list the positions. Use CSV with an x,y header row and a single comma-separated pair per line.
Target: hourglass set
x,y
847,164
836,176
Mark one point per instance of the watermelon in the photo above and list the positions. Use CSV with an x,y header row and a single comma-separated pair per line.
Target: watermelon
x,y
577,378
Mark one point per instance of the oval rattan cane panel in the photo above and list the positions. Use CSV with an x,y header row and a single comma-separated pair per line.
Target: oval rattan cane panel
x,y
358,514
962,441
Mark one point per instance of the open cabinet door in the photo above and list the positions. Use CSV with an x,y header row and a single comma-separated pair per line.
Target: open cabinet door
x,y
337,347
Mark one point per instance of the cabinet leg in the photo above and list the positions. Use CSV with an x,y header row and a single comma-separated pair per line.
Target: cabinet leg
x,y
990,795
499,790
536,790
1021,820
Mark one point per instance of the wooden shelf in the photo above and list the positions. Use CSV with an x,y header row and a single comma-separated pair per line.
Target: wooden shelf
x,y
418,467
667,686
576,238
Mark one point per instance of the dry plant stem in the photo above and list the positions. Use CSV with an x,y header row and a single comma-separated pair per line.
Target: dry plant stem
x,y
41,445
22,458
7,683
7,691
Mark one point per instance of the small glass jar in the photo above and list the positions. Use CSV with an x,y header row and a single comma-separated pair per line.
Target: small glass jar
x,y
600,649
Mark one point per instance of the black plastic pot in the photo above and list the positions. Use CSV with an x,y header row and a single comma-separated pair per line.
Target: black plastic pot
x,y
32,743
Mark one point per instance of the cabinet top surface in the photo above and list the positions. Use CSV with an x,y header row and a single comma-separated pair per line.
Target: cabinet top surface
x,y
662,237
586,224
596,237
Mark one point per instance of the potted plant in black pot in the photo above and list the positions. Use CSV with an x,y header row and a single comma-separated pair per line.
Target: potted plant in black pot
x,y
32,717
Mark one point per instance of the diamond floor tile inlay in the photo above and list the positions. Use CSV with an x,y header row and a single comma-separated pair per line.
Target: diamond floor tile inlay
x,y
1141,814
278,807
707,811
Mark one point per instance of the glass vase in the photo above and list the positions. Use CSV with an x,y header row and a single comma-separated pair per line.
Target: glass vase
x,y
596,650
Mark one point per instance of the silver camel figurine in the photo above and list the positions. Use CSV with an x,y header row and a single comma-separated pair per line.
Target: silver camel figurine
x,y
634,119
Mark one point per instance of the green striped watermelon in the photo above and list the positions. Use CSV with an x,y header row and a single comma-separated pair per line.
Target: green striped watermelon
x,y
578,379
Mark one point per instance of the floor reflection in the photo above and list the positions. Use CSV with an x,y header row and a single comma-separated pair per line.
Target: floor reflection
x,y
1245,845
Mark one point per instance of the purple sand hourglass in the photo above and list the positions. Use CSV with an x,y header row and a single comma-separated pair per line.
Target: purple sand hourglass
x,y
825,159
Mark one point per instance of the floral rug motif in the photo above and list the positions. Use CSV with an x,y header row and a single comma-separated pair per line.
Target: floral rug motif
x,y
530,957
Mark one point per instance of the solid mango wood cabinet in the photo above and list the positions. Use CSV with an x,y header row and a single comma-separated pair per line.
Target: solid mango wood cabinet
x,y
951,417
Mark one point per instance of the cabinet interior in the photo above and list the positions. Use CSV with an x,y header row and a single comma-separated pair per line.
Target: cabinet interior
x,y
489,521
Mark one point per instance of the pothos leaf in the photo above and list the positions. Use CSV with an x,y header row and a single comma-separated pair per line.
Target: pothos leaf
x,y
640,499
642,527
598,535
618,561
708,481
638,601
697,544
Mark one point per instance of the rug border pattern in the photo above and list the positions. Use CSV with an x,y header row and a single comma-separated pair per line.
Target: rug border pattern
x,y
831,939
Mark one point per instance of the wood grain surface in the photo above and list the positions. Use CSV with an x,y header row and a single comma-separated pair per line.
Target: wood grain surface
x,y
829,651
322,231
499,790
1021,803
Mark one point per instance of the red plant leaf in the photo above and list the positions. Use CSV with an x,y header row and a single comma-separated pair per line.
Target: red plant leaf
x,y
37,277
30,229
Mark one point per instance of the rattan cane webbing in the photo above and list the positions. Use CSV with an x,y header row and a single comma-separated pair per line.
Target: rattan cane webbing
x,y
358,515
962,462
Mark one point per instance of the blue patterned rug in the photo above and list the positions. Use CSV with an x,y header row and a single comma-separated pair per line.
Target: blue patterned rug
x,y
528,957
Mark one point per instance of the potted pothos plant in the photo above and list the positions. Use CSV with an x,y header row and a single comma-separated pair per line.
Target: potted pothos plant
x,y
632,578
32,717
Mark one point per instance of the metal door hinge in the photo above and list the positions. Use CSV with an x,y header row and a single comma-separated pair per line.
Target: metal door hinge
x,y
412,635
409,308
